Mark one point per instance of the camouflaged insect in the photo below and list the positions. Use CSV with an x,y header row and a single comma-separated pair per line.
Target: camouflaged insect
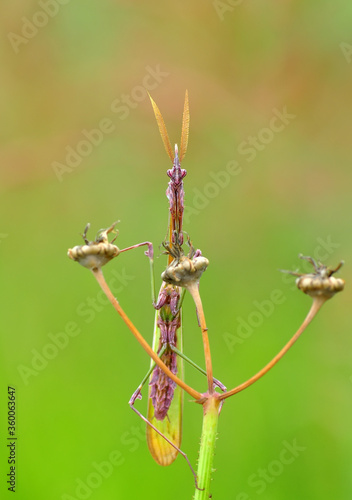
x,y
184,270
321,283
95,254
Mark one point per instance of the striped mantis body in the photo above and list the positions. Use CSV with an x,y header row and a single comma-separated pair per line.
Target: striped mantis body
x,y
165,398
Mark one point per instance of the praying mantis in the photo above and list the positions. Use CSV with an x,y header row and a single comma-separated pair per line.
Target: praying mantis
x,y
164,420
165,395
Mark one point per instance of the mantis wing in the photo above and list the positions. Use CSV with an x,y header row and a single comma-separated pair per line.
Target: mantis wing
x,y
162,452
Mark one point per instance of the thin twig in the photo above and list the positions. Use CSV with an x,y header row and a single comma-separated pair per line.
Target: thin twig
x,y
194,291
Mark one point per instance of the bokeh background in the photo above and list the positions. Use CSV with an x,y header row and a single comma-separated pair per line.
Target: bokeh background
x,y
69,71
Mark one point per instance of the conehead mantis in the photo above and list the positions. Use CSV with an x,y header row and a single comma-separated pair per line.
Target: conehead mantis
x,y
164,417
166,385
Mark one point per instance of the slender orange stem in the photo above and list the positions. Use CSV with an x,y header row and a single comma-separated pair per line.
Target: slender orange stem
x,y
194,291
101,280
317,303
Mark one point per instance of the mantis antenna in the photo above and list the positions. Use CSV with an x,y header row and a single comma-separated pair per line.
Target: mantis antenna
x,y
162,129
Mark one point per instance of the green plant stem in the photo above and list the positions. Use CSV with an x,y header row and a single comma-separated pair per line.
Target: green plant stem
x,y
207,447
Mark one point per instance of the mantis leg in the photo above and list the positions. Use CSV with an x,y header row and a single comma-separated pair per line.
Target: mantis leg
x,y
149,253
137,395
192,363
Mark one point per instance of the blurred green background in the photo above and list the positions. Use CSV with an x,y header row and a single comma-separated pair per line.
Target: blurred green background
x,y
81,66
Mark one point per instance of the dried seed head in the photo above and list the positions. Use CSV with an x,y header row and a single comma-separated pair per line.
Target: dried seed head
x,y
184,270
315,285
95,254
321,283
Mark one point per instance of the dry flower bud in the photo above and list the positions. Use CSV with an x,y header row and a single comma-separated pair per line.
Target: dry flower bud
x,y
95,254
184,271
315,285
321,283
